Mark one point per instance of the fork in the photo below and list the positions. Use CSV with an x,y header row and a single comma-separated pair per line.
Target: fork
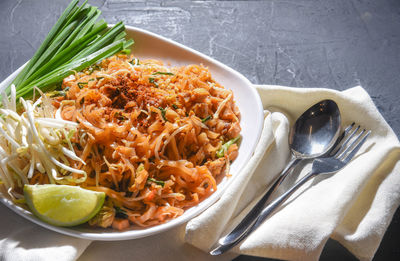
x,y
338,158
252,216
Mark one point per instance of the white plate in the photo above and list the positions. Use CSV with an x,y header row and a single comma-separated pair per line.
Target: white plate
x,y
149,45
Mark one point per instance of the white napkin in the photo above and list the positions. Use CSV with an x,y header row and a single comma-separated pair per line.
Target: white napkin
x,y
353,206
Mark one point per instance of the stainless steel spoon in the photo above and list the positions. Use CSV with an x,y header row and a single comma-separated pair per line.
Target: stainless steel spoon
x,y
313,135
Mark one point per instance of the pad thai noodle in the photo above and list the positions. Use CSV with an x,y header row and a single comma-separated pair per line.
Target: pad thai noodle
x,y
154,138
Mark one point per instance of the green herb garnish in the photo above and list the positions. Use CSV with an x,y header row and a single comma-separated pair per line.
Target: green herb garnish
x,y
120,213
158,182
174,106
57,94
163,111
140,167
152,80
209,117
120,116
82,84
126,51
163,73
134,61
224,148
93,68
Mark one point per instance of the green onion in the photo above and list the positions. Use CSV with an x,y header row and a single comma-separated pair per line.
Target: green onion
x,y
174,106
85,25
53,32
163,111
135,61
140,168
163,73
224,148
152,80
107,38
66,54
57,94
126,51
209,117
158,182
48,81
119,212
74,43
120,116
82,84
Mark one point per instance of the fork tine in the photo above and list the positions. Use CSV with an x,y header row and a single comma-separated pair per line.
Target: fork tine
x,y
348,148
355,149
347,138
336,146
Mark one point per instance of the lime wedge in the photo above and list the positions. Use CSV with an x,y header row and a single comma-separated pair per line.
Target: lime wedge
x,y
63,205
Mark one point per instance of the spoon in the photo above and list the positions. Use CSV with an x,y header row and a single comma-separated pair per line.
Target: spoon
x,y
313,134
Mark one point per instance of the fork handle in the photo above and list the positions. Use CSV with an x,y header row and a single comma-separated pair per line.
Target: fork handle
x,y
264,213
252,216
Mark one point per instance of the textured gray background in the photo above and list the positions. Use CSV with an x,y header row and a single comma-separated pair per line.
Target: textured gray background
x,y
333,43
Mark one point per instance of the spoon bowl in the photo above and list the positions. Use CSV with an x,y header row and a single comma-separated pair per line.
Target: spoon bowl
x,y
316,130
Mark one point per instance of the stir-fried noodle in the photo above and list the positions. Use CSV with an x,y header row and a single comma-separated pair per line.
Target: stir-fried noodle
x,y
153,138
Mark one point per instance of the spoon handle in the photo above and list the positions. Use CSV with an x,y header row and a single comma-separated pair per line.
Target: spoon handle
x,y
251,217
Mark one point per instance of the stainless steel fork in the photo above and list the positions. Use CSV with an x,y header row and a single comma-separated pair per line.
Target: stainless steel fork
x,y
336,160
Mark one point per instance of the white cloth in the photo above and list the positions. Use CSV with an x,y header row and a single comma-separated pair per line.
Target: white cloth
x,y
353,206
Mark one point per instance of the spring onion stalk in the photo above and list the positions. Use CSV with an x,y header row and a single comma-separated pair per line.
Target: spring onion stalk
x,y
209,117
48,81
35,141
83,27
66,54
158,182
75,42
224,148
53,32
